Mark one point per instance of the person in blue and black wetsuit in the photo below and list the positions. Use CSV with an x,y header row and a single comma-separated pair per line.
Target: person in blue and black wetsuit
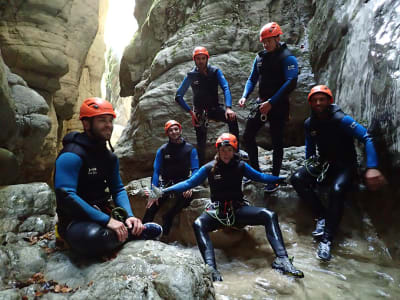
x,y
86,176
275,69
175,161
228,208
204,80
332,132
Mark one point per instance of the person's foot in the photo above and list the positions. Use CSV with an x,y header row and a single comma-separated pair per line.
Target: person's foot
x,y
284,264
319,228
245,180
324,250
271,187
243,155
152,231
216,275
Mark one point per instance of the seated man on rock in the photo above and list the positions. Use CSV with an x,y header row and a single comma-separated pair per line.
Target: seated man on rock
x,y
86,177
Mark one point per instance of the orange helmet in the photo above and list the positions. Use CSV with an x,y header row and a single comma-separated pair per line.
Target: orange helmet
x,y
170,123
226,139
92,107
320,89
200,50
269,30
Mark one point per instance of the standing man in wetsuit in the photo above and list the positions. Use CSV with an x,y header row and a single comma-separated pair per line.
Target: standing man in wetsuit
x,y
86,176
204,80
175,161
275,69
332,132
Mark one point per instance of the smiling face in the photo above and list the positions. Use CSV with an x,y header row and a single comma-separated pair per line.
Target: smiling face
x,y
174,133
271,44
319,102
226,153
99,127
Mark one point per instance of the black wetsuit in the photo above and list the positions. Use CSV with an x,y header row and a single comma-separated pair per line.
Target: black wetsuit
x,y
174,162
86,176
226,186
334,138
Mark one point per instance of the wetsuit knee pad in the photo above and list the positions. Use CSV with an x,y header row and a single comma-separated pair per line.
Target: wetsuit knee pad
x,y
268,215
197,225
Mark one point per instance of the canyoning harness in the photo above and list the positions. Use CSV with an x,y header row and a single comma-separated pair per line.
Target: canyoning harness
x,y
223,212
316,168
255,109
202,118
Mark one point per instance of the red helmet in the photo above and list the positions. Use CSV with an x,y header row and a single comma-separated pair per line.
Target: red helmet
x,y
226,139
320,89
92,107
200,50
170,123
269,30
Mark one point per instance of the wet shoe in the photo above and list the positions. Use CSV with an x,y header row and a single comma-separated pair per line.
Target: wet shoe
x,y
243,155
271,187
319,228
152,231
324,251
245,180
284,264
216,275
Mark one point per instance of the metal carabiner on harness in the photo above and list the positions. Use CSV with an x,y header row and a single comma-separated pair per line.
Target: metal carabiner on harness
x,y
255,109
316,168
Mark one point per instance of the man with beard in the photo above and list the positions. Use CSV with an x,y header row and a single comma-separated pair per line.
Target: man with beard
x,y
204,80
86,177
175,161
330,131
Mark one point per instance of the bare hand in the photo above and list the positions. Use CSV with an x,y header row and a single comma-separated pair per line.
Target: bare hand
x,y
187,194
265,107
135,225
242,102
195,121
230,114
374,179
119,228
150,202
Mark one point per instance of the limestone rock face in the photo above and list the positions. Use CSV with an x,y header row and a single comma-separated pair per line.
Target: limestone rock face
x,y
50,47
25,112
160,55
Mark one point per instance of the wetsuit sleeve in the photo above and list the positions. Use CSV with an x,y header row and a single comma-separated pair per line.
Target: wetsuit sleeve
x,y
225,87
181,92
155,180
358,131
290,71
194,161
66,177
251,81
118,191
253,174
192,182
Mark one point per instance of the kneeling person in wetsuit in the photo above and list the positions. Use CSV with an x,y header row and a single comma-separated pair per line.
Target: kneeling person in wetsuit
x,y
332,132
86,175
174,161
225,175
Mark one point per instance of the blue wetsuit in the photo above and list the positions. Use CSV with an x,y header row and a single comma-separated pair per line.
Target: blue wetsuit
x,y
276,73
226,186
333,137
174,162
86,175
205,101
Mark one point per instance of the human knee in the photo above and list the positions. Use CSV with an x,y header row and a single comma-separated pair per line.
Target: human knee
x,y
297,179
268,215
197,225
